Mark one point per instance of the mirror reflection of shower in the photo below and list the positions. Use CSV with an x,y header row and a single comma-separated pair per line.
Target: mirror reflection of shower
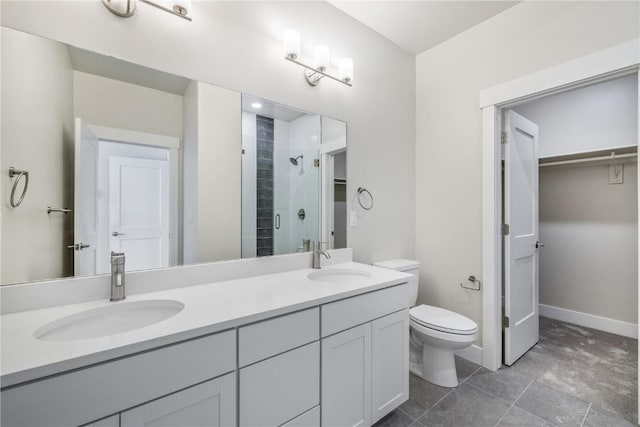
x,y
294,161
276,183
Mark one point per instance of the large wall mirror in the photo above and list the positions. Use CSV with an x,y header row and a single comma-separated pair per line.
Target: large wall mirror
x,y
113,156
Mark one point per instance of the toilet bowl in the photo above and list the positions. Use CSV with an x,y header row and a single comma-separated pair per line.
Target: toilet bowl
x,y
435,333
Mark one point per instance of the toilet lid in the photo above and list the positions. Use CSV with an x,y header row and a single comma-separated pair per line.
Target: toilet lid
x,y
442,320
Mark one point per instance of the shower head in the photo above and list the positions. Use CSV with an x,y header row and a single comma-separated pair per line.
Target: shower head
x,y
294,161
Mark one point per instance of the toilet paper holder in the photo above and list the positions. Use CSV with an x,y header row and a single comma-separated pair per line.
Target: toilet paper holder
x,y
477,285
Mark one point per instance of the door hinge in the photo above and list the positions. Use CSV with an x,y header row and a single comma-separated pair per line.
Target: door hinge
x,y
316,163
504,138
505,229
505,322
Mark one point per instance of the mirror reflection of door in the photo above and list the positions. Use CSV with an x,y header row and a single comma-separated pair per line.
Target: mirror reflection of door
x,y
122,202
86,228
139,211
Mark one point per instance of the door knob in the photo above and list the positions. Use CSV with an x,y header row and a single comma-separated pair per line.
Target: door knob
x,y
79,246
116,234
539,245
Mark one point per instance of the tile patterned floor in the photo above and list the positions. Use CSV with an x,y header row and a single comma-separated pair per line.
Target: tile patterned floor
x,y
574,376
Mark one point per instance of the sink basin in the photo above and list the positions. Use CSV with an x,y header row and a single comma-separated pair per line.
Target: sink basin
x,y
111,319
339,275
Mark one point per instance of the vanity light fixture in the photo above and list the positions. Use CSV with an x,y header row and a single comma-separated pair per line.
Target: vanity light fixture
x,y
127,8
256,105
321,61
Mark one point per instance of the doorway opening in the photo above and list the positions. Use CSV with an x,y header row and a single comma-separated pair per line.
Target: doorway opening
x,y
601,67
125,198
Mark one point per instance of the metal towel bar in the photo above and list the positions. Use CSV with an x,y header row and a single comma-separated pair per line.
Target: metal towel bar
x,y
19,174
59,210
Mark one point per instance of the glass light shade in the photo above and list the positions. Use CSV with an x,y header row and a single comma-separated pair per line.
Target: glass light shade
x,y
291,44
321,57
346,70
181,7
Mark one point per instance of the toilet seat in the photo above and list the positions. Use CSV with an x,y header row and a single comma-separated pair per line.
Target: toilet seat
x,y
442,320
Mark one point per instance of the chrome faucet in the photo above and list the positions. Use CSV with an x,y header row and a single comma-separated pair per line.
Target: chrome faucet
x,y
117,276
317,251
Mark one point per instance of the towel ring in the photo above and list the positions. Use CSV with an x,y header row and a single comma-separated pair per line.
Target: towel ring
x,y
364,206
19,174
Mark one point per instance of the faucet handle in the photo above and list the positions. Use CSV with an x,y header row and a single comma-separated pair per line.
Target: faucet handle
x,y
318,245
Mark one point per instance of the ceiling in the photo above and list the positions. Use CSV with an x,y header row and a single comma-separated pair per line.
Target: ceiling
x,y
416,26
270,109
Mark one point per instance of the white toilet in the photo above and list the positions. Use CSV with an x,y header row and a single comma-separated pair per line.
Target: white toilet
x,y
435,332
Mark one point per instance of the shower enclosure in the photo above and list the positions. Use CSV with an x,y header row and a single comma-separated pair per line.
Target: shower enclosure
x,y
280,180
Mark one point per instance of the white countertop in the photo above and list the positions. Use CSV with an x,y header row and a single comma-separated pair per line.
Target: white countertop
x,y
208,308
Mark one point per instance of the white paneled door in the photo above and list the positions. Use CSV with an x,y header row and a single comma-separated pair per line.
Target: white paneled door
x,y
85,219
139,211
521,240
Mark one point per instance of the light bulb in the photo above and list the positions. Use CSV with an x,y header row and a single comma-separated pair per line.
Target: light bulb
x,y
346,70
291,44
321,57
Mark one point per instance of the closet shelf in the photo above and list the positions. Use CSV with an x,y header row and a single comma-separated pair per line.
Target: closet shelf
x,y
616,155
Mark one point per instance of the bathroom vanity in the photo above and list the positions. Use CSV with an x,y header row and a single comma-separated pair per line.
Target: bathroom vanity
x,y
298,348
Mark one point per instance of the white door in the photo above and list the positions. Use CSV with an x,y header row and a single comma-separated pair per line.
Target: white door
x,y
346,378
389,363
520,244
139,211
85,219
209,404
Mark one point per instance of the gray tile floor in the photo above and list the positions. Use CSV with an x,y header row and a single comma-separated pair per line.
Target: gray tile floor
x,y
574,376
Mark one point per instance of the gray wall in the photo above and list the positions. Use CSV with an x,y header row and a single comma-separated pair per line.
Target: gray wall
x,y
589,227
592,118
37,82
238,45
523,39
590,231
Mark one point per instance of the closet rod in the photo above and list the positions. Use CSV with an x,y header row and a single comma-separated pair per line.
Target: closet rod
x,y
589,159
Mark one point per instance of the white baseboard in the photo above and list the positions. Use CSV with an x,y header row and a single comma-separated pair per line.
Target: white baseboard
x,y
472,354
613,326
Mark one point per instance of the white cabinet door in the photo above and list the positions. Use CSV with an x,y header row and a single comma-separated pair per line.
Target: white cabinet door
x,y
389,363
209,404
112,421
346,378
278,389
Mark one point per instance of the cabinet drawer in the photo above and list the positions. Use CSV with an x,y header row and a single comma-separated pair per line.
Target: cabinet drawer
x,y
88,394
211,404
276,390
347,313
274,336
311,418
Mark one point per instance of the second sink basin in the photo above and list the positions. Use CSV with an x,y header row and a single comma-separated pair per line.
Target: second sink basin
x,y
339,275
109,320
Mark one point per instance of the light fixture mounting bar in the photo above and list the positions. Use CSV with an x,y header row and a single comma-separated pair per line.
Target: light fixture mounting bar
x,y
166,9
313,71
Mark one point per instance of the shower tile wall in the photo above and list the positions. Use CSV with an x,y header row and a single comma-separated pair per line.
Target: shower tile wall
x,y
264,193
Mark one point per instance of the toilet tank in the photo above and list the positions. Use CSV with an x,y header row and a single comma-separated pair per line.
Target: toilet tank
x,y
406,266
